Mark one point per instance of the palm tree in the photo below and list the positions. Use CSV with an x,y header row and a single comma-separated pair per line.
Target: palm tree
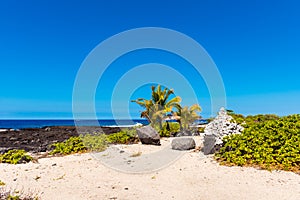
x,y
188,115
148,105
158,105
161,97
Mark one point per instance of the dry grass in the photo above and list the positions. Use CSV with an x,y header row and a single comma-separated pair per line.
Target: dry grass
x,y
136,154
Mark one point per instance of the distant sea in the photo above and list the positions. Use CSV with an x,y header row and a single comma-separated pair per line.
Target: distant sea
x,y
20,124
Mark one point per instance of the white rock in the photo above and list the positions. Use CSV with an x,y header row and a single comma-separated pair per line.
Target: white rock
x,y
222,126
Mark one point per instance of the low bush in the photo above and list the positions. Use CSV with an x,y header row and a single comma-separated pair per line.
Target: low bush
x,y
81,144
269,142
200,129
15,157
71,145
95,142
166,131
2,183
125,136
251,119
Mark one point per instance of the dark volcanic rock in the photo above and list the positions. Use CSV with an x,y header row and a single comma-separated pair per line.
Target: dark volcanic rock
x,y
40,139
209,145
183,143
148,135
4,150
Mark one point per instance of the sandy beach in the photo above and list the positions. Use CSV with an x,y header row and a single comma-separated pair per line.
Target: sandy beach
x,y
192,176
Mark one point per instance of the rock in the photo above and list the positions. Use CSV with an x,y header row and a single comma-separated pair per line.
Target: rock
x,y
3,150
209,143
221,126
148,135
39,140
184,133
13,139
210,146
183,143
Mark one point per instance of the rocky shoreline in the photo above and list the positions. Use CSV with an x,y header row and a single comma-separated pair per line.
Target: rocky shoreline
x,y
36,140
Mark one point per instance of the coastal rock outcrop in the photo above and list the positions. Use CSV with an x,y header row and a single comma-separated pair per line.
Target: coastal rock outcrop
x,y
183,143
221,126
40,139
148,135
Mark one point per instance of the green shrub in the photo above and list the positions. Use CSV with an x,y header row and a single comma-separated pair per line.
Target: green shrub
x,y
200,129
93,142
15,157
81,144
269,142
174,128
261,118
96,142
125,136
241,119
71,145
2,183
12,197
237,118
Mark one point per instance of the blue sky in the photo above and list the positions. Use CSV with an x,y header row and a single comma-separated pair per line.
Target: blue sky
x,y
255,45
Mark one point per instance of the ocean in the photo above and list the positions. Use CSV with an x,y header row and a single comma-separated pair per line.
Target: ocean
x,y
20,124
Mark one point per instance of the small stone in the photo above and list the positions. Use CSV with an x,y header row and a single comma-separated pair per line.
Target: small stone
x,y
183,143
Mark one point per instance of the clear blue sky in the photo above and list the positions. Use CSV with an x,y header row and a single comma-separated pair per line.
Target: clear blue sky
x,y
255,45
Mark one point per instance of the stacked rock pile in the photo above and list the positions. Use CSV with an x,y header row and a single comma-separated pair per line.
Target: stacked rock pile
x,y
221,126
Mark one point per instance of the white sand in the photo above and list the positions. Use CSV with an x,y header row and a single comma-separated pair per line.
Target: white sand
x,y
193,176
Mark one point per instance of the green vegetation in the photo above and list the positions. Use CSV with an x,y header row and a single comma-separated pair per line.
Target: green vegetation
x,y
11,197
2,183
71,145
96,142
240,119
201,129
81,144
125,136
15,157
93,142
9,194
188,115
268,141
167,131
160,103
